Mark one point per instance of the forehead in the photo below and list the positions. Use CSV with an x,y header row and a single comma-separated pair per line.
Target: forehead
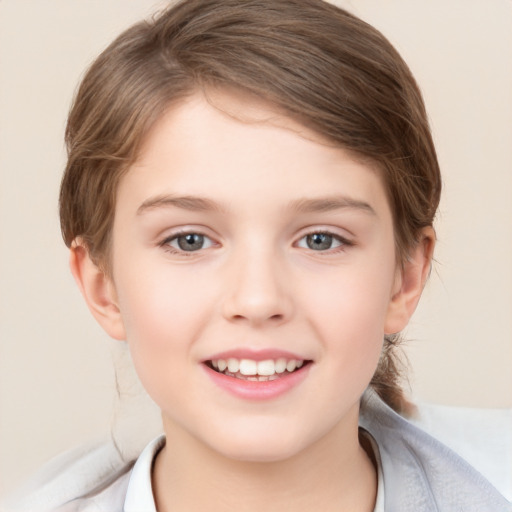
x,y
231,144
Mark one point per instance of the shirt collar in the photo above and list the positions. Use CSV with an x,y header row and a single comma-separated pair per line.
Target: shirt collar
x,y
139,495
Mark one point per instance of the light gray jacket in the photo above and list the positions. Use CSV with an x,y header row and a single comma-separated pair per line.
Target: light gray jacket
x,y
420,473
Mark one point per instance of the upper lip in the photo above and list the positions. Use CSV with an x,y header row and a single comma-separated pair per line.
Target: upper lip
x,y
256,354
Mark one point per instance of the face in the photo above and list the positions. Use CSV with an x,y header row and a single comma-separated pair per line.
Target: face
x,y
254,272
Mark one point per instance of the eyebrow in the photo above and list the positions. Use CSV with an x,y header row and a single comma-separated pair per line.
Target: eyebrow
x,y
327,204
192,203
201,204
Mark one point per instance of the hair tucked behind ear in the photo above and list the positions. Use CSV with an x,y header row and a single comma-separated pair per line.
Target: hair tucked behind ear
x,y
391,370
320,64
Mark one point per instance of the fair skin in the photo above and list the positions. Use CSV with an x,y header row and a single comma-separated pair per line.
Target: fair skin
x,y
254,239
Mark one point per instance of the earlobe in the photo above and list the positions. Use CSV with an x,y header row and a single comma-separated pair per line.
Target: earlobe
x,y
98,291
410,281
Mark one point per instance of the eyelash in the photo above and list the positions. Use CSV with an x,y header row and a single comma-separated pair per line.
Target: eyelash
x,y
166,243
343,242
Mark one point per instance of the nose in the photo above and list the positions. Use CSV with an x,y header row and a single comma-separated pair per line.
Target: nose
x,y
258,292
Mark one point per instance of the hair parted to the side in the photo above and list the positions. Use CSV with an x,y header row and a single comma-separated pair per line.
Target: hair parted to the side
x,y
318,63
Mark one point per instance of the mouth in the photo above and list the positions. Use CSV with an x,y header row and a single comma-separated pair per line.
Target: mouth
x,y
257,371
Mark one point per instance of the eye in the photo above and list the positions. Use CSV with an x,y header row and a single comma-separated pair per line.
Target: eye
x,y
188,242
321,241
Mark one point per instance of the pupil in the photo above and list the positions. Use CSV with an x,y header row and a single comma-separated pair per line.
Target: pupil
x,y
319,241
191,242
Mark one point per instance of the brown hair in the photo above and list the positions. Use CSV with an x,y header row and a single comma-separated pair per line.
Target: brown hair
x,y
320,64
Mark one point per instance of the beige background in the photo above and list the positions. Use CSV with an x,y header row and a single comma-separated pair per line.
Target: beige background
x,y
57,386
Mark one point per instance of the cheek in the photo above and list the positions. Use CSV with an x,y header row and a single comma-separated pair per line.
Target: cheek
x,y
348,312
160,311
353,298
158,299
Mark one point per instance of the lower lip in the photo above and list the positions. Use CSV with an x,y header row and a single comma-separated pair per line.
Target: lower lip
x,y
258,390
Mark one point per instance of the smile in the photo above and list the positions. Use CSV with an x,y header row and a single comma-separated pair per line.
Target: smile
x,y
251,370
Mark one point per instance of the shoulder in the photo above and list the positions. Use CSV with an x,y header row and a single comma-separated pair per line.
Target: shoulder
x,y
87,479
420,473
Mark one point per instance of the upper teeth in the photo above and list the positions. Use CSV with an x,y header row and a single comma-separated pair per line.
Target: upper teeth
x,y
251,367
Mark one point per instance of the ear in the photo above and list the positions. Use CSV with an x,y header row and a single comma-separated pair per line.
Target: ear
x,y
98,291
410,281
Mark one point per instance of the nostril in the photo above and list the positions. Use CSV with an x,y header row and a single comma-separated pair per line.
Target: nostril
x,y
255,310
277,317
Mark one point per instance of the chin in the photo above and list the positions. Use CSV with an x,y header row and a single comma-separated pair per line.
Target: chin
x,y
259,446
260,453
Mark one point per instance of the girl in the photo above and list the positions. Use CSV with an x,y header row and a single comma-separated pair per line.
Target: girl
x,y
248,201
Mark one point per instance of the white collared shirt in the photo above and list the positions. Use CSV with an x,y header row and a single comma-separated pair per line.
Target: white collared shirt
x,y
139,495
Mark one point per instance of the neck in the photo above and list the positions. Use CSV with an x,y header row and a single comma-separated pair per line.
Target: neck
x,y
334,474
